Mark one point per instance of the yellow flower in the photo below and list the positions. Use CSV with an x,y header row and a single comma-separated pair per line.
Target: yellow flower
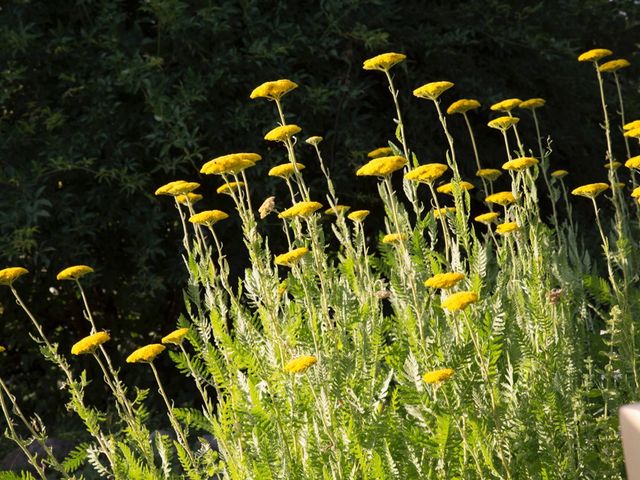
x,y
613,165
300,209
490,174
9,275
358,215
394,237
559,173
383,62
614,65
448,187
176,337
636,192
431,91
443,211
189,198
463,106
273,90
229,187
594,55
300,364
459,300
591,190
532,103
146,354
315,140
208,217
487,218
380,152
382,166
506,105
74,273
444,280
2,349
179,187
427,173
507,227
285,170
282,133
337,210
631,125
520,163
232,163
633,133
501,198
292,257
633,162
438,376
90,343
503,123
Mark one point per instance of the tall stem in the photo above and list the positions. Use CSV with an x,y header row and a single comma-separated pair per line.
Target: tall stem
x,y
394,94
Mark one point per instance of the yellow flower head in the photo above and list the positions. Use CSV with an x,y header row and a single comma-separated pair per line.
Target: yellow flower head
x,y
337,210
2,349
447,188
358,215
282,133
487,218
382,166
520,163
176,337
613,165
431,91
208,217
463,106
179,187
501,198
594,55
532,103
232,163
300,209
633,162
427,173
506,105
438,376
380,152
285,170
273,90
490,174
503,123
146,354
443,211
507,227
74,273
292,257
394,237
459,301
633,133
229,187
383,62
559,173
591,190
631,125
444,280
9,275
90,343
636,192
189,198
315,140
614,65
300,364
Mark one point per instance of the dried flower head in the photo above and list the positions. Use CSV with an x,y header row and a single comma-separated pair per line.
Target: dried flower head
x,y
267,207
554,295
382,166
459,301
176,337
146,354
444,280
300,364
208,217
90,343
432,90
383,294
463,106
383,62
292,257
273,90
427,173
74,273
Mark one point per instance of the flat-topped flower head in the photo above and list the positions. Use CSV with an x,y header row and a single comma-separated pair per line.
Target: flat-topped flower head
x,y
384,61
285,170
594,55
9,275
633,133
176,337
591,190
507,227
636,192
633,162
437,376
614,65
631,125
432,90
532,103
613,165
559,173
380,152
437,213
146,354
300,364
2,349
358,215
273,90
503,123
444,280
463,106
394,237
292,257
315,140
90,343
229,187
189,198
178,187
521,163
382,166
490,174
282,133
459,301
74,273
506,105
337,210
487,218
229,164
427,173
501,198
448,188
300,209
208,217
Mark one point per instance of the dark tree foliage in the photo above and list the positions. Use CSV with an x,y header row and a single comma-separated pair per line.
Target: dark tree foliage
x,y
103,101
